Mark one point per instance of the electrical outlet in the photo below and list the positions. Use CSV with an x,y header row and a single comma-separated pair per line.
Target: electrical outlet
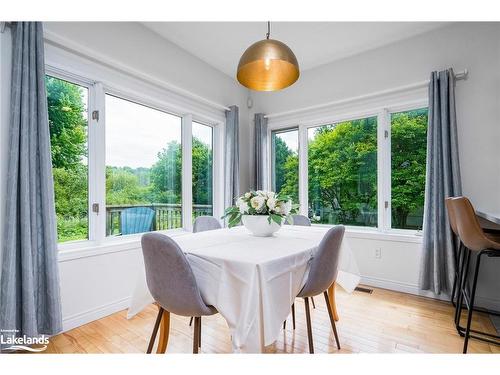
x,y
378,253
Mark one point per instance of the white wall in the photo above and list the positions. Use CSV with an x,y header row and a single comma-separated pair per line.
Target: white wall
x,y
472,46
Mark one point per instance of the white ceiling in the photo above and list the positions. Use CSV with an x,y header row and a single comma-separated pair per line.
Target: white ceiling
x,y
221,44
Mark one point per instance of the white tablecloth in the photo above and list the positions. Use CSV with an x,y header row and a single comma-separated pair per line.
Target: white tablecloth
x,y
252,281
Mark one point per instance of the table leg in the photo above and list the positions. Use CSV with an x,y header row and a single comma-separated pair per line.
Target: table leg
x,y
331,296
164,332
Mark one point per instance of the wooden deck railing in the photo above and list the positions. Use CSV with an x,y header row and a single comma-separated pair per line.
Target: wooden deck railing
x,y
167,216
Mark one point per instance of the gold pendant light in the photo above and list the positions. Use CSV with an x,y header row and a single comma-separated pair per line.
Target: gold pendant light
x,y
268,65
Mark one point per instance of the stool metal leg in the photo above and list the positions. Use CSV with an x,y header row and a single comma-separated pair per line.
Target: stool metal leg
x,y
456,280
471,302
463,273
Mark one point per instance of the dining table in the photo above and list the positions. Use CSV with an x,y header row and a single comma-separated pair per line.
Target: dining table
x,y
252,281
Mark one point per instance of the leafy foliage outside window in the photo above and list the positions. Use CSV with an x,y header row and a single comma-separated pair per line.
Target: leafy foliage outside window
x,y
342,164
286,163
67,109
343,173
408,158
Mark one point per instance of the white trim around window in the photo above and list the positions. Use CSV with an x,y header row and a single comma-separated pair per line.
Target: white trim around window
x,y
101,80
381,107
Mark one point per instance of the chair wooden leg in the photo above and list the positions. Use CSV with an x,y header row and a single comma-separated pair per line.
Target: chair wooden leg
x,y
332,320
196,340
199,334
333,304
164,332
191,321
155,330
309,327
312,300
293,315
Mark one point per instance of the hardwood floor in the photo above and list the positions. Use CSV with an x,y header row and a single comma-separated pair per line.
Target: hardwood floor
x,y
381,322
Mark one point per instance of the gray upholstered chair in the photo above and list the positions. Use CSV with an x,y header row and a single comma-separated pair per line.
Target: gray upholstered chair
x,y
203,223
172,284
323,273
301,220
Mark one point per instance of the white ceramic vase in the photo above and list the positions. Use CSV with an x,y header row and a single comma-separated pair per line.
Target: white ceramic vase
x,y
259,225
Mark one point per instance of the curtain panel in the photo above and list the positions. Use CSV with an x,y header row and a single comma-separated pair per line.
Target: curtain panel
x,y
442,181
232,157
30,300
260,152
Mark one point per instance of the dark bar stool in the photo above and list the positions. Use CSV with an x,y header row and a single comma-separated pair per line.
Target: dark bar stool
x,y
458,252
475,242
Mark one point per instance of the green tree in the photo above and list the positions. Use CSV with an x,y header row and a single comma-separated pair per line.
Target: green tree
x,y
123,186
67,123
166,174
281,154
408,148
343,169
286,167
68,137
202,172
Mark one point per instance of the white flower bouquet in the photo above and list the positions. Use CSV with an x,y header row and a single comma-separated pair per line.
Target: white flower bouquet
x,y
264,203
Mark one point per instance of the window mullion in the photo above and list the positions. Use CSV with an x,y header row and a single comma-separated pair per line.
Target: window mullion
x,y
97,164
218,170
384,170
187,172
303,171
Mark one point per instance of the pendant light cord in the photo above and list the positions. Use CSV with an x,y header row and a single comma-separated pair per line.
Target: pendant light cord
x,y
268,29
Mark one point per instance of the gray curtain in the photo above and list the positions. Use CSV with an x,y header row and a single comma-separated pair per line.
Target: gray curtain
x,y
232,157
30,300
260,152
442,181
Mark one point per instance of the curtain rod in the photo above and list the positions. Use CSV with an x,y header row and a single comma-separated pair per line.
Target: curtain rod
x,y
74,47
458,76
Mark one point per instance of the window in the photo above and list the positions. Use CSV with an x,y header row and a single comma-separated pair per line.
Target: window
x,y
342,167
68,118
202,166
408,158
285,163
365,172
143,168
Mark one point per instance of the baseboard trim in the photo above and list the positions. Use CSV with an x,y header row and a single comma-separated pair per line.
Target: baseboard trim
x,y
79,319
398,286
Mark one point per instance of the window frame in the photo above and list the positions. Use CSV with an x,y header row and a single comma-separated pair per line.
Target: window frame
x,y
214,130
97,242
381,107
91,146
272,152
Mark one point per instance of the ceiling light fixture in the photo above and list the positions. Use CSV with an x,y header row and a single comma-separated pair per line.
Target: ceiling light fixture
x,y
268,65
